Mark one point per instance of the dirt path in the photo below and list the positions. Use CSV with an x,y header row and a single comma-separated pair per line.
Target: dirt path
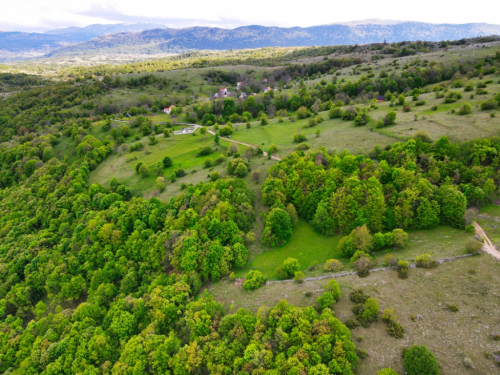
x,y
487,245
273,157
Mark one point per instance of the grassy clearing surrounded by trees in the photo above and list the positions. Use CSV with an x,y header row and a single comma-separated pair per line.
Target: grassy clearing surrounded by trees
x,y
307,246
471,284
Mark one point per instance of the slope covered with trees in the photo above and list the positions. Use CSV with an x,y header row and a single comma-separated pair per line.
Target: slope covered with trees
x,y
408,185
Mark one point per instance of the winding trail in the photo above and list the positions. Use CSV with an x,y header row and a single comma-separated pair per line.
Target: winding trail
x,y
487,244
273,157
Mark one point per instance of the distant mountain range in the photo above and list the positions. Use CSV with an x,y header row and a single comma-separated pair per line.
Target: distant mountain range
x,y
151,38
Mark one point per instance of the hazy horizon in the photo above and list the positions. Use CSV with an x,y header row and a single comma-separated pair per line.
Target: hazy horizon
x,y
33,16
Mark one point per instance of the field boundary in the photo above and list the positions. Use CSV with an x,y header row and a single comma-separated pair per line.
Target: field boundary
x,y
347,273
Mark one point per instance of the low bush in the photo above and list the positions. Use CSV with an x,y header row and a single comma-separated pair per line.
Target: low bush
x,y
418,360
473,247
358,296
387,371
395,330
426,261
298,277
352,323
490,104
403,269
420,103
332,265
254,280
465,110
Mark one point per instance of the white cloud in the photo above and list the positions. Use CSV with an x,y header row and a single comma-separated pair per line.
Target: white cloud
x,y
33,15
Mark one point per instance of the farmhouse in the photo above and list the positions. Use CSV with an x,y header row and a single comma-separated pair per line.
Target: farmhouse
x,y
267,89
380,98
264,80
238,85
167,110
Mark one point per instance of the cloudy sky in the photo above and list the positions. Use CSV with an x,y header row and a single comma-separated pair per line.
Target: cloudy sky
x,y
38,15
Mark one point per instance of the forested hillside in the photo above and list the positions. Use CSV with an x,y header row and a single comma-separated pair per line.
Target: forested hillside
x,y
117,220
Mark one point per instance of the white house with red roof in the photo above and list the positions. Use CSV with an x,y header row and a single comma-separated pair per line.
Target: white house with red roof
x,y
238,85
267,89
167,110
264,80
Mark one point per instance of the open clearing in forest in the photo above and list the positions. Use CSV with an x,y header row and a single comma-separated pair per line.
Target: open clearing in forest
x,y
470,283
307,246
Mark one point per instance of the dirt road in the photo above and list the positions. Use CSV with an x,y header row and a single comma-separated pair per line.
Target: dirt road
x,y
487,244
273,157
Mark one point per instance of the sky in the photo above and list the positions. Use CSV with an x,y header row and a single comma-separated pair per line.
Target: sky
x,y
43,15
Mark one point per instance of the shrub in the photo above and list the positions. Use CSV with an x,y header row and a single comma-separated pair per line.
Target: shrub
x,y
387,371
406,108
264,120
362,118
225,131
388,316
420,103
298,138
358,296
281,273
241,170
302,113
481,92
395,330
399,238
351,323
180,172
303,146
434,107
232,276
312,122
161,184
426,261
253,280
490,104
418,360
313,266
371,311
298,277
469,87
349,114
335,112
330,296
359,239
204,151
403,269
291,265
452,307
207,163
333,265
473,247
167,161
361,353
144,171
465,110
452,97
219,159
390,260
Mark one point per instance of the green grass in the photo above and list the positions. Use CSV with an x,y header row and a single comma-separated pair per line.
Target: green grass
x,y
338,134
306,245
181,148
